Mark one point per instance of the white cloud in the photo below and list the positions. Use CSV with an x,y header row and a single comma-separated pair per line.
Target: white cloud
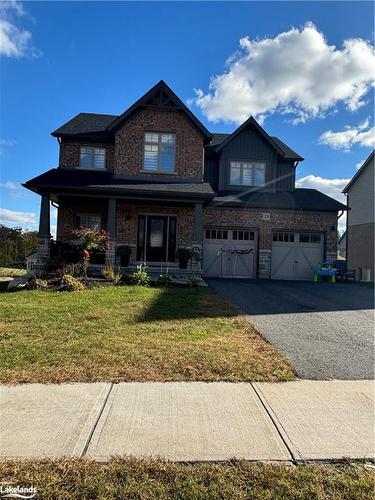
x,y
10,185
363,135
13,218
15,189
296,72
14,41
359,164
5,143
330,187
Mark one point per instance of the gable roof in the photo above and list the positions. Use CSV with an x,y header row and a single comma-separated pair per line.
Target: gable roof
x,y
161,94
281,148
359,172
289,153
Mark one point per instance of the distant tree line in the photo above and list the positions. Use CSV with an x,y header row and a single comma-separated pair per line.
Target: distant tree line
x,y
16,245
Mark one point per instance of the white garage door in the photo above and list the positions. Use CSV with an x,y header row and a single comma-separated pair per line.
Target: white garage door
x,y
295,255
229,253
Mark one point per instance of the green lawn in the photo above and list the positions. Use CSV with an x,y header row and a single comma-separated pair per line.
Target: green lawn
x,y
152,479
11,272
128,333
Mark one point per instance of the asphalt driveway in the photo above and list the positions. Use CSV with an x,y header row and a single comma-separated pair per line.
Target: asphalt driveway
x,y
326,330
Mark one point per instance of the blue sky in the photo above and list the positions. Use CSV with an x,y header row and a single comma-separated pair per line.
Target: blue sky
x,y
61,58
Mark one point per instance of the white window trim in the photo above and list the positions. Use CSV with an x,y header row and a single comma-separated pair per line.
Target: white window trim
x,y
242,162
159,144
93,157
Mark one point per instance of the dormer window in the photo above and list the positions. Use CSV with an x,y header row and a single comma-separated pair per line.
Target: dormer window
x,y
244,173
159,153
92,158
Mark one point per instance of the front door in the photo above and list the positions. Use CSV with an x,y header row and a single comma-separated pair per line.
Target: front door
x,y
156,238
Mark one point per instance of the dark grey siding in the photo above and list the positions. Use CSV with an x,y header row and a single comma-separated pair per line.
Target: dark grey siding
x,y
248,145
285,176
211,171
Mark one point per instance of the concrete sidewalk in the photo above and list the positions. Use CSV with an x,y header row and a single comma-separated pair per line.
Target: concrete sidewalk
x,y
190,421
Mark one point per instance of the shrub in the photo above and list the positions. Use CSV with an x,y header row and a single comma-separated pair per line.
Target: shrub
x,y
71,284
193,281
112,274
183,255
124,252
93,240
77,269
36,284
164,280
141,276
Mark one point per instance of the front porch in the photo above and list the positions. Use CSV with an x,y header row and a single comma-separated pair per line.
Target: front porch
x,y
152,231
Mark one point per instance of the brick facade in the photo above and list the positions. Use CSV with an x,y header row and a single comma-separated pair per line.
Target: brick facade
x,y
127,220
127,224
70,152
129,143
325,222
66,216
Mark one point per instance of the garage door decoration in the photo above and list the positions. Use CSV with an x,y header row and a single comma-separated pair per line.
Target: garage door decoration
x,y
229,253
296,255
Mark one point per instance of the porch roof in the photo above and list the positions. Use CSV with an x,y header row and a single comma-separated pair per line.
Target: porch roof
x,y
67,180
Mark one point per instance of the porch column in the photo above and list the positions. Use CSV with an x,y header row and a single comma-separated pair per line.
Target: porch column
x,y
198,223
44,218
110,254
44,233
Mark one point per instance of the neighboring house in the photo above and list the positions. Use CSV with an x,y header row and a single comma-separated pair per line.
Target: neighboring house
x,y
360,222
341,246
157,179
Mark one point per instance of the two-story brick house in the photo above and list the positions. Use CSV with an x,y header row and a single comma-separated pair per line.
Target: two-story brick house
x,y
157,179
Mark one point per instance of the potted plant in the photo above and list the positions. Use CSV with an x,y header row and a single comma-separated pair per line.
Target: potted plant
x,y
183,255
124,252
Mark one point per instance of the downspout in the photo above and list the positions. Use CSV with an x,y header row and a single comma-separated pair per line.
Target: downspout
x,y
340,215
59,141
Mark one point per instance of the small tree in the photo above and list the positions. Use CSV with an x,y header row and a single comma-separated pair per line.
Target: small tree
x,y
93,240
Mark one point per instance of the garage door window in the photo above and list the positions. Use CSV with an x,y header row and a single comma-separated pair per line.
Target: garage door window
x,y
309,238
216,234
243,235
284,237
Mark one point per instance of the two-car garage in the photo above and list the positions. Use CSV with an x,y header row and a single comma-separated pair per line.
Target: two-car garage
x,y
232,253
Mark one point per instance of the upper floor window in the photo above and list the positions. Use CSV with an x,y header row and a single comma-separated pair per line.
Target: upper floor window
x,y
93,158
244,173
159,152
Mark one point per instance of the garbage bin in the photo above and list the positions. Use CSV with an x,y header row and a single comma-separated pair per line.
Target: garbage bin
x,y
365,274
